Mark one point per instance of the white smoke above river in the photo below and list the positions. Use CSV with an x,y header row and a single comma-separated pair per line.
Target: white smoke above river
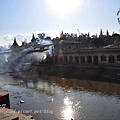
x,y
41,56
47,42
18,61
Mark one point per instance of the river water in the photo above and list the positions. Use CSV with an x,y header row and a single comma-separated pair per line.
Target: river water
x,y
55,98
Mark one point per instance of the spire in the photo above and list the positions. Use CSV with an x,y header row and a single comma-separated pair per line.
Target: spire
x,y
62,36
33,38
88,35
101,33
14,43
107,33
14,39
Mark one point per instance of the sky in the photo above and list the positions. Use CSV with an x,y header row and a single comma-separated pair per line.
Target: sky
x,y
22,18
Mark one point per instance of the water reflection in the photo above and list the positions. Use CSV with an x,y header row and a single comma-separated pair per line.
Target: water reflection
x,y
47,85
68,109
86,85
67,98
38,85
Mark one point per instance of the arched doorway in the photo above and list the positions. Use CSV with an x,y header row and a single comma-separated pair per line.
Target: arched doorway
x,y
89,59
95,59
82,59
76,59
118,58
111,59
70,59
65,59
103,58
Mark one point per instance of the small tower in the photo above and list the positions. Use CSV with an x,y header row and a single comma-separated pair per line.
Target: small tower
x,y
33,38
107,33
15,45
88,35
62,36
101,33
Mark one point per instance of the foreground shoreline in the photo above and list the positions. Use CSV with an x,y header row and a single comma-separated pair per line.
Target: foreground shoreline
x,y
102,73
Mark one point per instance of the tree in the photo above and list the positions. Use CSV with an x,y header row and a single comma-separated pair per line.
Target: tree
x,y
41,36
97,42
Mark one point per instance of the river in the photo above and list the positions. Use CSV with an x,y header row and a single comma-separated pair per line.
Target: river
x,y
55,98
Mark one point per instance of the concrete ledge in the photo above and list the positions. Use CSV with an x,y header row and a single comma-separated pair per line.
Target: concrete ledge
x,y
4,99
8,114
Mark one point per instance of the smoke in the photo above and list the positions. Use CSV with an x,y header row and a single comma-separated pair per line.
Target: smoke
x,y
51,48
3,60
6,57
20,60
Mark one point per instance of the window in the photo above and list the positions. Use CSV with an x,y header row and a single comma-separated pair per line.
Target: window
x,y
95,59
111,59
118,58
82,59
89,59
103,58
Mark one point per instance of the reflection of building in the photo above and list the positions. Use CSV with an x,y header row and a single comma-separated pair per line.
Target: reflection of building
x,y
45,87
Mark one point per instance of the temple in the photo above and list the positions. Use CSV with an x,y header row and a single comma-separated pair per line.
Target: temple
x,y
102,50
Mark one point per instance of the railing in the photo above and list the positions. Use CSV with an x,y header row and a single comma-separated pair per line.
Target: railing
x,y
92,50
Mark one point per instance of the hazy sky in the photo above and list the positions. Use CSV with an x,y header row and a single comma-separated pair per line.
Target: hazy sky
x,y
21,18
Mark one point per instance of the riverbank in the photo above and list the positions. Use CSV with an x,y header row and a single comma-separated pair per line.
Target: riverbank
x,y
102,73
107,73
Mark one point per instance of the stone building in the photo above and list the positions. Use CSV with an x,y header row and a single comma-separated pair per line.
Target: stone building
x,y
73,52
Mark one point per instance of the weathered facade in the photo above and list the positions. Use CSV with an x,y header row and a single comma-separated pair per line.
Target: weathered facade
x,y
73,52
89,56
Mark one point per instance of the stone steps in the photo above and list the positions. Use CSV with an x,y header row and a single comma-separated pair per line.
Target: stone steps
x,y
8,114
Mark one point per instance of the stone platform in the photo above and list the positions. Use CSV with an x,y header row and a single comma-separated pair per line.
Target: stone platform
x,y
8,114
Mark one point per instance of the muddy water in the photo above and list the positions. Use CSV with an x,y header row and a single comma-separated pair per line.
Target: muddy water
x,y
55,98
